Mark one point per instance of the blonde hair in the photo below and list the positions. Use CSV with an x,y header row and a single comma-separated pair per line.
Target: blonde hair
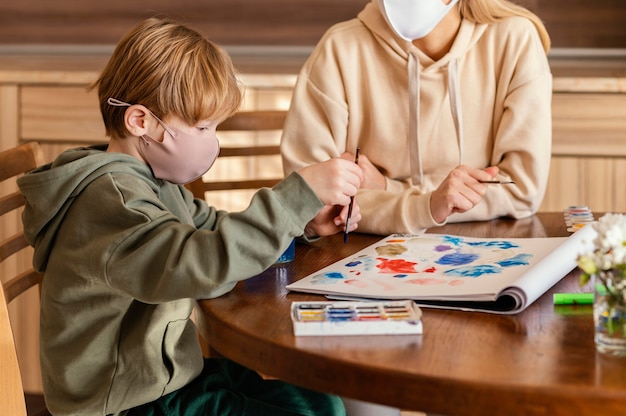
x,y
173,71
491,11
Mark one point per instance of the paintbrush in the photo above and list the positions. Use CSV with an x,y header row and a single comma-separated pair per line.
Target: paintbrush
x,y
345,234
498,182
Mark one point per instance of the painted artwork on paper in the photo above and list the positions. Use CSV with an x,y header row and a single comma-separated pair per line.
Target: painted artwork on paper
x,y
429,266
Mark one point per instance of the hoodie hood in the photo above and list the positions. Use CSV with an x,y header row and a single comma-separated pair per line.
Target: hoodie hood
x,y
418,64
50,190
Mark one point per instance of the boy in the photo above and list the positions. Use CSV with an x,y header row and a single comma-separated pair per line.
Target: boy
x,y
126,249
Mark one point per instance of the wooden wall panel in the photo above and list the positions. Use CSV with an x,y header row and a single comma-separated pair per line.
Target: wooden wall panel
x,y
597,182
60,113
589,123
229,22
571,23
583,23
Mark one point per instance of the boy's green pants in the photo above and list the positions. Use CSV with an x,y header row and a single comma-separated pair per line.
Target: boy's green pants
x,y
225,388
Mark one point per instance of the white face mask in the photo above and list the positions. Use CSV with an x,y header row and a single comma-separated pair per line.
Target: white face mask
x,y
180,157
414,19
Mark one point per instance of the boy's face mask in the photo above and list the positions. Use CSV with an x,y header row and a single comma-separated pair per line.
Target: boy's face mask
x,y
181,157
414,19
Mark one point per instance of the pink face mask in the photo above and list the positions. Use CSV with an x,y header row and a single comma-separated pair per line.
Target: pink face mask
x,y
180,158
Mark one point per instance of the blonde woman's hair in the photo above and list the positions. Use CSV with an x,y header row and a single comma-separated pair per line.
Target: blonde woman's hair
x,y
491,11
173,71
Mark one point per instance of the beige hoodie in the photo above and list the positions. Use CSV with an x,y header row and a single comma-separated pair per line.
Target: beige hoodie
x,y
487,102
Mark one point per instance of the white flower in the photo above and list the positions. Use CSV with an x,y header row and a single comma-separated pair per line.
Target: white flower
x,y
619,255
609,248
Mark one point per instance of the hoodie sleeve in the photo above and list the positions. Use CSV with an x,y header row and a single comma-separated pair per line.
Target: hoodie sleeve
x,y
178,261
315,129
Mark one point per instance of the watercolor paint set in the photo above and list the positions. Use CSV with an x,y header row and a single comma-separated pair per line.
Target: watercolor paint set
x,y
356,318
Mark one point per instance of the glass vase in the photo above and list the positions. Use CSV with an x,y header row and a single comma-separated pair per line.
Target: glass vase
x,y
609,312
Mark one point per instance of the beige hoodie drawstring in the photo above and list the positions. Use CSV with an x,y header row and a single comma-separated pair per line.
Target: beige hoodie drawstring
x,y
415,156
454,92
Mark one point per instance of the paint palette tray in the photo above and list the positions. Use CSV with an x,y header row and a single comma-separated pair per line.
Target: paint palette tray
x,y
577,216
356,318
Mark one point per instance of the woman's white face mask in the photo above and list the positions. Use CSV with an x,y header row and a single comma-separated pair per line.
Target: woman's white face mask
x,y
414,19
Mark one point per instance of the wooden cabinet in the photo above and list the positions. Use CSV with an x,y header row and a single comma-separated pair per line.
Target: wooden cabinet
x,y
589,151
59,113
589,134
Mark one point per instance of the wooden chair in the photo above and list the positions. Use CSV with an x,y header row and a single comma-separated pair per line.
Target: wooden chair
x,y
245,121
15,279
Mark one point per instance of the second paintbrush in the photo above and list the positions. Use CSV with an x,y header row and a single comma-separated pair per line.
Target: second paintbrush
x,y
345,234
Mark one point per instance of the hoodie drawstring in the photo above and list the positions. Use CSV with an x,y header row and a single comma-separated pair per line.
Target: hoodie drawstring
x,y
415,156
454,92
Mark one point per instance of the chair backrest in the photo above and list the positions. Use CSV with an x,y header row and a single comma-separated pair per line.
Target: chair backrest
x,y
244,121
15,280
11,390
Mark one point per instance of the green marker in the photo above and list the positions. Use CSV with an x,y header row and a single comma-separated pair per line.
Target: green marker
x,y
573,298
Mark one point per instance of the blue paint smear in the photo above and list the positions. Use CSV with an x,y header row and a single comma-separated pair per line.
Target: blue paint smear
x,y
519,260
400,276
474,271
457,259
324,279
369,263
353,263
334,275
504,245
455,241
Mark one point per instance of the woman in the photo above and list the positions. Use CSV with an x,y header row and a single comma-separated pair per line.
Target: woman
x,y
440,96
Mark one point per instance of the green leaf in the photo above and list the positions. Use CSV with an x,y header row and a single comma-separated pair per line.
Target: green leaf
x,y
584,279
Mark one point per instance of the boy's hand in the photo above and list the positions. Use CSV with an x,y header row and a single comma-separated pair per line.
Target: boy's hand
x,y
334,181
332,219
460,191
372,177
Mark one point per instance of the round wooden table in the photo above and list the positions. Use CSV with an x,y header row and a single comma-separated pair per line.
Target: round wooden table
x,y
541,361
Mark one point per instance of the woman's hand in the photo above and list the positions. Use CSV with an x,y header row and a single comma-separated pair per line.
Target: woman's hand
x,y
460,191
372,177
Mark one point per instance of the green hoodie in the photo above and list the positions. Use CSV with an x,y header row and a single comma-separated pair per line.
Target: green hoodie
x,y
125,256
